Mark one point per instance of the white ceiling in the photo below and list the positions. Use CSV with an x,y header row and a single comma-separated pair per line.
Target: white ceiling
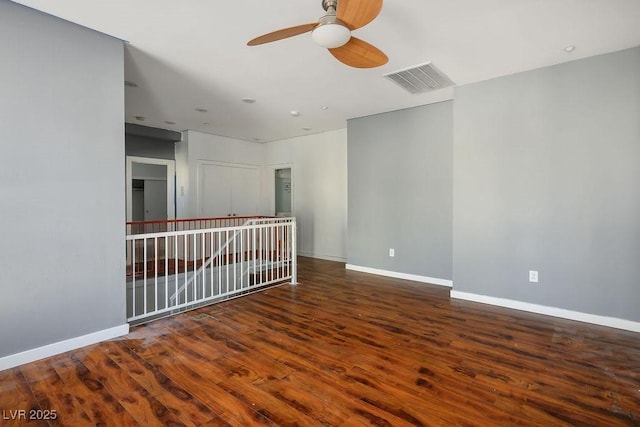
x,y
187,54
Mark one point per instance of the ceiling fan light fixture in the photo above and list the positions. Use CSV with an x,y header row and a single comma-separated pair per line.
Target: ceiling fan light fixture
x,y
331,35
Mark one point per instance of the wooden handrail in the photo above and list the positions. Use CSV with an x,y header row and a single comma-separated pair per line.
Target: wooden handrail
x,y
152,226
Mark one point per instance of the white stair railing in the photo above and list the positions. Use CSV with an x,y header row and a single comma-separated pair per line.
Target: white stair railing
x,y
178,270
210,260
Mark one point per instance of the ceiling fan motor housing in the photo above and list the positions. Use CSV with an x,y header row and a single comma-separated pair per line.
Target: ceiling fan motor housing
x,y
326,4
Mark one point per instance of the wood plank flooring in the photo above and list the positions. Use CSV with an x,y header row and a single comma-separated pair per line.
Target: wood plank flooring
x,y
340,349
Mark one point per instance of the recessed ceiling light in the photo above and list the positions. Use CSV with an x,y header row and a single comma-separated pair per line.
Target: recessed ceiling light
x,y
201,110
294,113
129,83
306,128
248,100
570,48
140,118
169,122
206,123
324,107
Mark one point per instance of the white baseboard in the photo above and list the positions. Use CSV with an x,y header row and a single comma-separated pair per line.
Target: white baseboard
x,y
32,355
321,256
612,322
405,276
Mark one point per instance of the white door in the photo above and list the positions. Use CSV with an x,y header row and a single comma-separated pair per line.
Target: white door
x,y
155,200
137,200
244,191
215,192
227,190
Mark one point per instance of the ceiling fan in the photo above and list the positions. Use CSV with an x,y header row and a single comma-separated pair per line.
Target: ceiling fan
x,y
333,31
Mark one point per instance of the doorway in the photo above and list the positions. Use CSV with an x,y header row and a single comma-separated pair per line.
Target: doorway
x,y
283,192
150,189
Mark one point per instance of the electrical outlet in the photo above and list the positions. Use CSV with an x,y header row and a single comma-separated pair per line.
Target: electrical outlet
x,y
533,276
392,252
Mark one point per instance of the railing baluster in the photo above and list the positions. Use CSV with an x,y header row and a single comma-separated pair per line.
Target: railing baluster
x,y
166,273
144,280
155,268
185,267
294,255
134,271
219,235
202,257
226,265
235,253
271,250
195,261
211,267
240,259
260,253
254,254
278,271
176,270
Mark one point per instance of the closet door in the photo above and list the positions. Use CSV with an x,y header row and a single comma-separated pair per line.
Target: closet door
x,y
244,191
227,190
214,185
155,199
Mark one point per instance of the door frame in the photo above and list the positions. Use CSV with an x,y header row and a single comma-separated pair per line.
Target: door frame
x,y
171,183
272,186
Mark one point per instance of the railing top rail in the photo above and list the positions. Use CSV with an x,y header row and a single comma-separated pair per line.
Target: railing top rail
x,y
180,220
259,224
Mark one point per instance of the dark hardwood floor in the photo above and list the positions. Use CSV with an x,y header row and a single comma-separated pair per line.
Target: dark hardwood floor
x,y
342,348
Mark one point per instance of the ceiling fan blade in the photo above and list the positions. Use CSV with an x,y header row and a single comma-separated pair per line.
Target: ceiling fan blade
x,y
358,13
282,34
359,54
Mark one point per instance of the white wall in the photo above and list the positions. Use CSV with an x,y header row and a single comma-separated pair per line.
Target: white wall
x,y
62,258
319,165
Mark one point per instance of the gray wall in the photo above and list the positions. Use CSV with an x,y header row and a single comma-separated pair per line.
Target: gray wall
x,y
547,178
142,146
400,191
62,210
147,141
